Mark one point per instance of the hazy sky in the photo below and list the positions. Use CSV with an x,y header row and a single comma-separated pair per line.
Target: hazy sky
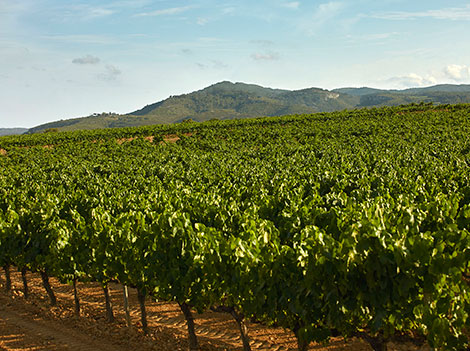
x,y
67,58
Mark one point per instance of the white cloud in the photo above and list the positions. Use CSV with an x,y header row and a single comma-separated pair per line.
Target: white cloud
x,y
451,13
99,12
228,10
211,40
328,10
270,56
457,73
166,12
87,12
411,80
214,64
86,60
202,21
376,39
292,5
105,72
452,73
14,7
111,73
324,13
81,12
380,36
83,39
129,3
262,42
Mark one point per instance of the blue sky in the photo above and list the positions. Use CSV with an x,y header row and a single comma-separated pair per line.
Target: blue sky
x,y
67,58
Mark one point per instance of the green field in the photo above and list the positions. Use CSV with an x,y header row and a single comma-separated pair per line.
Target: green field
x,y
352,223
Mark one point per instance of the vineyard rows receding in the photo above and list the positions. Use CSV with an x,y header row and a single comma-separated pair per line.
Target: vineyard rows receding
x,y
352,223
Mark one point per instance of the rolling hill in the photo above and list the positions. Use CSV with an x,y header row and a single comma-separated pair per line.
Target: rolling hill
x,y
12,131
226,100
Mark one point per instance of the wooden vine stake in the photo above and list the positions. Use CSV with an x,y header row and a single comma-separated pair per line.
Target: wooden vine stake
x,y
125,292
25,282
109,306
47,286
193,343
143,311
302,345
8,277
76,299
239,318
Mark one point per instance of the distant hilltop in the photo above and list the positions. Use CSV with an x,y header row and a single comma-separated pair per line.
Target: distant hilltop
x,y
12,131
227,100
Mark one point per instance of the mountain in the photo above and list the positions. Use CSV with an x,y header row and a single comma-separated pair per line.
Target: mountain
x,y
12,131
438,94
444,88
441,88
360,91
226,100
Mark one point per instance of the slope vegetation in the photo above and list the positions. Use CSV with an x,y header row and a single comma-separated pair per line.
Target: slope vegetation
x,y
228,100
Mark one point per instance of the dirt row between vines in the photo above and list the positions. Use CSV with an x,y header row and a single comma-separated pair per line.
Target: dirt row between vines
x,y
167,139
33,325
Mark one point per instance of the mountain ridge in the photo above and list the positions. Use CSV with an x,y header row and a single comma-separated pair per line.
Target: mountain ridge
x,y
12,131
227,100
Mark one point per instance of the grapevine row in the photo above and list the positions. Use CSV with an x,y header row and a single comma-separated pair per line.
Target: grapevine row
x,y
353,223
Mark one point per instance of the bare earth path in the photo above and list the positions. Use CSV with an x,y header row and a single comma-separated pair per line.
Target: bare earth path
x,y
20,328
30,325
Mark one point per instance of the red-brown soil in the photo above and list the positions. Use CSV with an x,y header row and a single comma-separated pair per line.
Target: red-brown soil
x,y
168,138
33,325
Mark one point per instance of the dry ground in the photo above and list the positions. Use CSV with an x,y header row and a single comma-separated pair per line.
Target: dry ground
x,y
33,325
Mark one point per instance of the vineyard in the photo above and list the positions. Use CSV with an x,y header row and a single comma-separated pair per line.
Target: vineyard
x,y
352,223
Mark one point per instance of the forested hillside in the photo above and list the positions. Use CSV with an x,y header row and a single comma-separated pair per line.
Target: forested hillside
x,y
228,100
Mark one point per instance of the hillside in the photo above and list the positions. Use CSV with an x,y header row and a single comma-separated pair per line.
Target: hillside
x,y
12,131
226,100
